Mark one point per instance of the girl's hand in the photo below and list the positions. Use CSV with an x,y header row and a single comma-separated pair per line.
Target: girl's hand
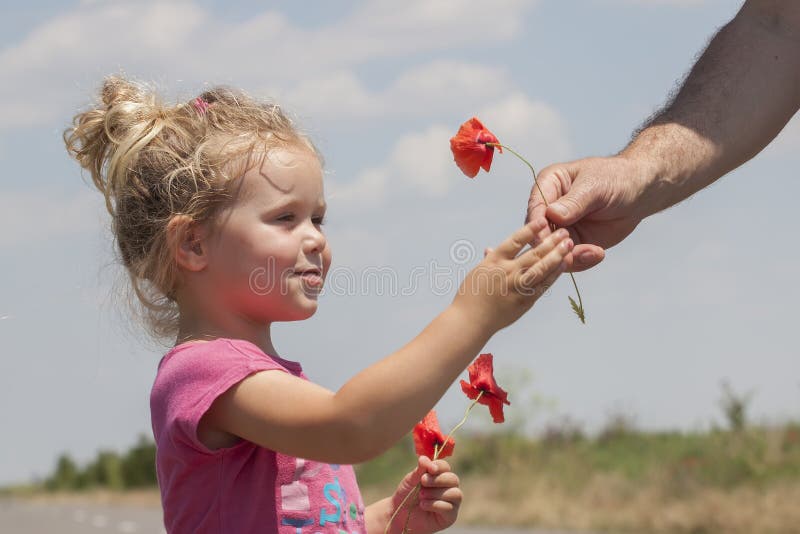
x,y
506,283
436,506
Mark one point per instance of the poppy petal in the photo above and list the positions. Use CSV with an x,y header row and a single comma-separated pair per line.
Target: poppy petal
x,y
469,146
427,436
481,379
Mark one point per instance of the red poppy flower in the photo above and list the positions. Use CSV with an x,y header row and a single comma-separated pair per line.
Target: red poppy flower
x,y
469,147
428,436
481,378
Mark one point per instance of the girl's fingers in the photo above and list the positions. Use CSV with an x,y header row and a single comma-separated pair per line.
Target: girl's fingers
x,y
440,466
520,239
425,464
530,257
442,480
439,507
540,288
440,500
545,271
441,494
433,467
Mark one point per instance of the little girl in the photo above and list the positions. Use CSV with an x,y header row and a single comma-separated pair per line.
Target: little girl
x,y
217,207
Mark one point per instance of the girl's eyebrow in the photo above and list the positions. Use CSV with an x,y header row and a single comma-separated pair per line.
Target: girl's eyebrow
x,y
291,203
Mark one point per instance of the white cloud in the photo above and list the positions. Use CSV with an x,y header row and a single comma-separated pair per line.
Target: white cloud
x,y
369,188
532,128
386,28
419,161
423,162
181,40
340,94
28,216
437,87
94,39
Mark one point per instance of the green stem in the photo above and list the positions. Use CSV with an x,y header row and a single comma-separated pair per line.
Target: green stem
x,y
400,507
436,450
410,509
526,162
579,307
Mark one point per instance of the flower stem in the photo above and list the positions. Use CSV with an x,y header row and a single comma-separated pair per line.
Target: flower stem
x,y
577,308
400,507
436,451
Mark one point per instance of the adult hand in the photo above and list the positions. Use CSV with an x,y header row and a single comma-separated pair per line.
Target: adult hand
x,y
599,200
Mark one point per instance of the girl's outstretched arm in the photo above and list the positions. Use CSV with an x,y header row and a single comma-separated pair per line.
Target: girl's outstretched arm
x,y
379,405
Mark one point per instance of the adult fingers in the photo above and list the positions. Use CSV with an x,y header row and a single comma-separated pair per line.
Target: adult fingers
x,y
583,257
520,238
585,195
550,184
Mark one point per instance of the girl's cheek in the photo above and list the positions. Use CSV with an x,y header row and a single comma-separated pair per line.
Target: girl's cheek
x,y
327,258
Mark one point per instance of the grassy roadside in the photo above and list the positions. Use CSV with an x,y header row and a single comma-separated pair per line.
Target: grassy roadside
x,y
745,480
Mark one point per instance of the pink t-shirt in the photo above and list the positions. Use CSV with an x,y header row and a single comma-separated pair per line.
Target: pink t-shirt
x,y
244,488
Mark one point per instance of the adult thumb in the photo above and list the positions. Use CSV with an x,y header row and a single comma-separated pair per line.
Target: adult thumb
x,y
574,205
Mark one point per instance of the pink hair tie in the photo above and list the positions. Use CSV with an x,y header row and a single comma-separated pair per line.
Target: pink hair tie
x,y
200,105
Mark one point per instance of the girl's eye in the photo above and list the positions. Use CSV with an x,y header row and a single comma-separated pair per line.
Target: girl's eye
x,y
289,217
319,221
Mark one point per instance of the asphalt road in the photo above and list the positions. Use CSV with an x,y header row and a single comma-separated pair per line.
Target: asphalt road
x,y
27,517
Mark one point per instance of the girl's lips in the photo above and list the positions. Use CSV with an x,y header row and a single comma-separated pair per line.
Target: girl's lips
x,y
311,278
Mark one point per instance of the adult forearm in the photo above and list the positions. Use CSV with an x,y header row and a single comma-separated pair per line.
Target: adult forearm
x,y
738,96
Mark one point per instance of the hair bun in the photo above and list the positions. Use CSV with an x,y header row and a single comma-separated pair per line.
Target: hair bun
x,y
117,90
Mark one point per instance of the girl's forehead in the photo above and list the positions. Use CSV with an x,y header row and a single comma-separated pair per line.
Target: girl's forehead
x,y
281,173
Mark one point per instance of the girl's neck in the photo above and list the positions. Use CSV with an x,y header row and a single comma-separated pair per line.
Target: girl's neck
x,y
195,328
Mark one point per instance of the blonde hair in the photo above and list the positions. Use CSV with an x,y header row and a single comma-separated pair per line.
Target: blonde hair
x,y
153,161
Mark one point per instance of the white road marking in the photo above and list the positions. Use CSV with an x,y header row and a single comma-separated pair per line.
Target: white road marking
x,y
127,526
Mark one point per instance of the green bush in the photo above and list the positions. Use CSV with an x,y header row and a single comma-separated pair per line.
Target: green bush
x,y
66,474
139,464
676,462
135,469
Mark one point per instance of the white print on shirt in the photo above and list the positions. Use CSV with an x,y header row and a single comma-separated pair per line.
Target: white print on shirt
x,y
294,498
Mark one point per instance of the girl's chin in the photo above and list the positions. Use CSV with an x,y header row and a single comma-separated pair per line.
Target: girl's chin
x,y
300,312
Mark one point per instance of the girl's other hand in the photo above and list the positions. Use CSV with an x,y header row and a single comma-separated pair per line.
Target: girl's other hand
x,y
506,283
436,506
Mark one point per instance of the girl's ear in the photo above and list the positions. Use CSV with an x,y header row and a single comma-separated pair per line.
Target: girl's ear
x,y
186,240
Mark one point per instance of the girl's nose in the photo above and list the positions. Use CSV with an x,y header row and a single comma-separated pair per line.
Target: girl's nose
x,y
315,240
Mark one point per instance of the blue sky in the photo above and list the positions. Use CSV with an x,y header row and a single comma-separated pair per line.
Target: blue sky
x,y
699,294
